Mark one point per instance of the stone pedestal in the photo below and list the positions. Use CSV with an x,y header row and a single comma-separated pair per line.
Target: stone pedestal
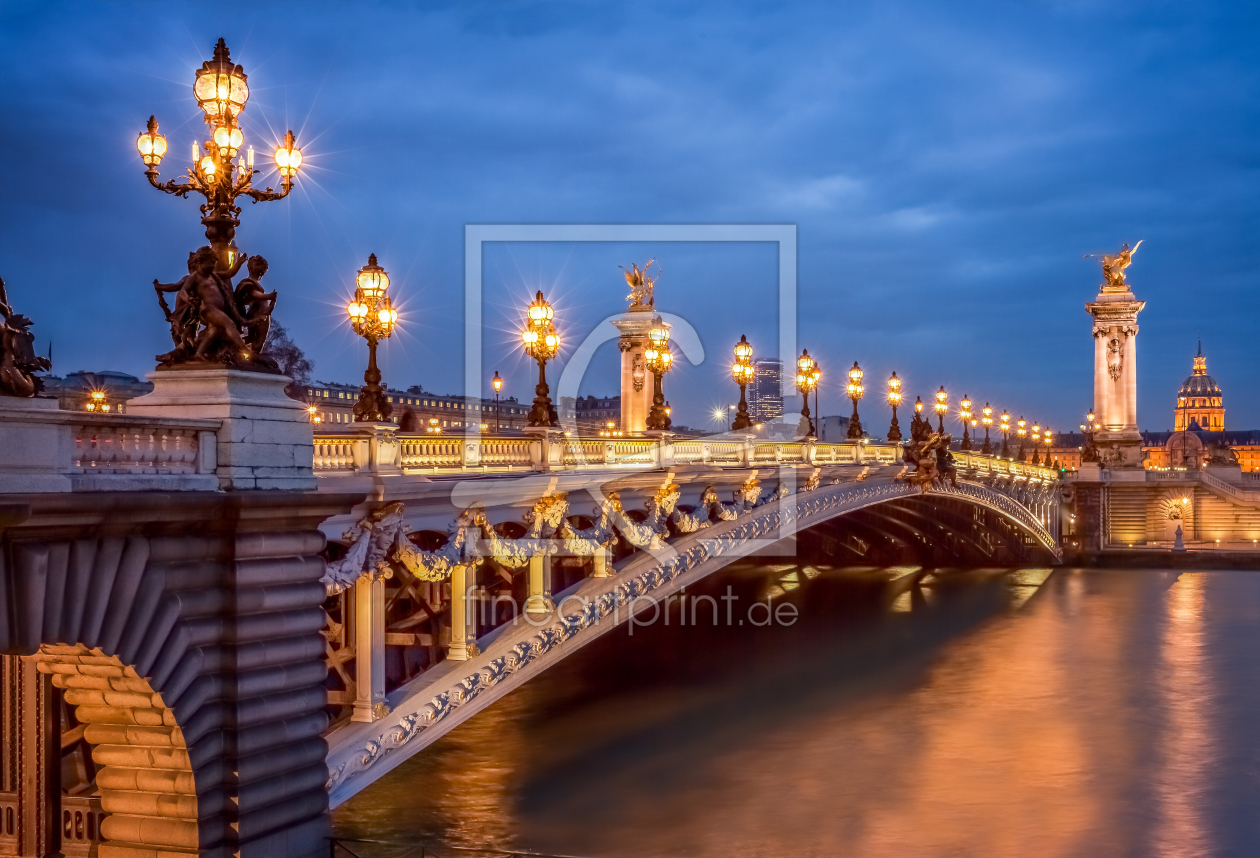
x,y
265,440
546,452
636,381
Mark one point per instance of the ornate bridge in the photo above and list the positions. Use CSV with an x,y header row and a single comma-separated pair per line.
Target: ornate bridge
x,y
458,582
208,680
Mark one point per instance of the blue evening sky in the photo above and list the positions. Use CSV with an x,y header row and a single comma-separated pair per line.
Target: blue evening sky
x,y
947,165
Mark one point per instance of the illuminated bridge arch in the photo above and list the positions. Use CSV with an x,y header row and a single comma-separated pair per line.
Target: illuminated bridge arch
x,y
433,704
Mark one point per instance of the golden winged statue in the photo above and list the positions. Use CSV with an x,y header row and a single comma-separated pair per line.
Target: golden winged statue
x,y
1113,266
641,286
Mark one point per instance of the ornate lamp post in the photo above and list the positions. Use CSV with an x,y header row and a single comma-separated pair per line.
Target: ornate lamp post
x,y
1046,438
742,371
372,316
855,393
542,343
964,411
498,386
942,406
1005,427
1036,443
987,419
817,388
1090,452
659,361
221,90
1022,432
894,399
805,382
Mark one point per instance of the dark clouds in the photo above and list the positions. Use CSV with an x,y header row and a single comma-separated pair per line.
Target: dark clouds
x,y
947,167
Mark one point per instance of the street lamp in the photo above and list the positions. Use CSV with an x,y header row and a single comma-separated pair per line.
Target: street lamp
x,y
498,386
942,406
987,419
855,393
1022,432
894,399
923,425
817,388
97,402
1005,427
372,316
312,414
964,411
1090,452
221,90
1036,443
1046,438
542,343
742,371
805,382
659,361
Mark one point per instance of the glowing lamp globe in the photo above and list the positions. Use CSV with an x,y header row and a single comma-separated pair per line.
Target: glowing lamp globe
x,y
372,279
220,86
151,145
228,138
288,157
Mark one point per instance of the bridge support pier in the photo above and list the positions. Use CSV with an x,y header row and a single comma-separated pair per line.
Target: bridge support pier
x,y
463,617
369,649
539,601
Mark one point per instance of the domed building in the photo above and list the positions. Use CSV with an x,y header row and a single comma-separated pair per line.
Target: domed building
x,y
1200,403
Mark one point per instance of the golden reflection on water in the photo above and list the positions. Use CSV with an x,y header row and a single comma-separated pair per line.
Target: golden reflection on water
x,y
1029,734
1187,748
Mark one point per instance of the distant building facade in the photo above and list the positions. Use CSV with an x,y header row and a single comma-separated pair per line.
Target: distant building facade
x,y
594,413
765,396
74,392
334,404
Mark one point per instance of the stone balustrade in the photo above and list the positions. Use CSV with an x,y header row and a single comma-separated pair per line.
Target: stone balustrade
x,y
364,448
44,449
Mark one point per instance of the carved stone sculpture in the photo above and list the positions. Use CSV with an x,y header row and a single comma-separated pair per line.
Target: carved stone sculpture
x,y
211,322
18,361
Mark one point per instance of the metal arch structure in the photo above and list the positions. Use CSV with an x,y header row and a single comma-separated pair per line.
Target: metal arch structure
x,y
440,699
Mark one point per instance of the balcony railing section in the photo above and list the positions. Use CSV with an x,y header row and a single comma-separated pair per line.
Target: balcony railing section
x,y
352,449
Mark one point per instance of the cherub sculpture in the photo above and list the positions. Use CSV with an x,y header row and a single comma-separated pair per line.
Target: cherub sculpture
x,y
641,286
255,305
932,460
211,322
18,361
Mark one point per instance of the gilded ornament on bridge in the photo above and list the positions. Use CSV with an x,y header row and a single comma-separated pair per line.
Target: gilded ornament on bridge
x,y
641,286
18,361
1113,266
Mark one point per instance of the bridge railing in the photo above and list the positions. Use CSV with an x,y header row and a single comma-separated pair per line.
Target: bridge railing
x,y
368,447
55,450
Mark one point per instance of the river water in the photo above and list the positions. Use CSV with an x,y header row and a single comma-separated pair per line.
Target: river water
x,y
986,713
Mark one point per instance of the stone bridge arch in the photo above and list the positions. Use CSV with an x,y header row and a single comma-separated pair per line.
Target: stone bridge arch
x,y
434,703
184,629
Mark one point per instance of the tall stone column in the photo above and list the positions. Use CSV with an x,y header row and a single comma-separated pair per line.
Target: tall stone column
x,y
636,381
1115,313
